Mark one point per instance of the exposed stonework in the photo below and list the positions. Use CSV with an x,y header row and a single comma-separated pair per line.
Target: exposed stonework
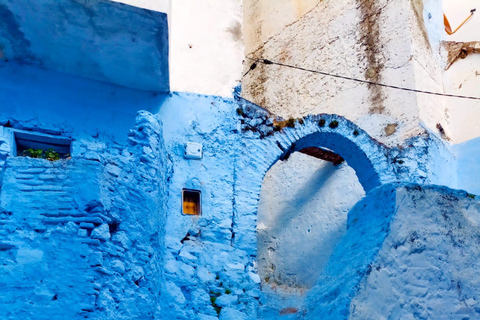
x,y
82,224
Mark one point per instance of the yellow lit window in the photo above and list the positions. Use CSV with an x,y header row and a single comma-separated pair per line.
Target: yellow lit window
x,y
191,202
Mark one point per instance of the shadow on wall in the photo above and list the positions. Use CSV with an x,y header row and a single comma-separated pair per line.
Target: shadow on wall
x,y
33,98
302,214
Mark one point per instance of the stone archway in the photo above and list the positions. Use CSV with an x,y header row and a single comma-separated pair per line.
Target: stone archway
x,y
364,154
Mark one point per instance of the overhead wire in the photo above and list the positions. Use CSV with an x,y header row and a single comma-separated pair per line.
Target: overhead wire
x,y
270,62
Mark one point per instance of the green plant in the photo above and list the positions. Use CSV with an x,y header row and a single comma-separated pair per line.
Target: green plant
x,y
470,195
218,309
333,124
228,291
52,155
240,111
290,123
33,153
321,123
356,133
213,301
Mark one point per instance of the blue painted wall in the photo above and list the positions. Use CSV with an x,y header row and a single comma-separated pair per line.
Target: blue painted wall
x,y
410,251
84,238
34,98
137,255
101,40
468,165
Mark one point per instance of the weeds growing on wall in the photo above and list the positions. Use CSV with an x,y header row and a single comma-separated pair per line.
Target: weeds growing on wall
x,y
290,123
333,124
49,154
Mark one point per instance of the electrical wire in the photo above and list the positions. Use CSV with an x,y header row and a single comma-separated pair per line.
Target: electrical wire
x,y
270,62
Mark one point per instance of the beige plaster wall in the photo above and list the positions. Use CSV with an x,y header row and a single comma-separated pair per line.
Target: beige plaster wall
x,y
267,18
379,41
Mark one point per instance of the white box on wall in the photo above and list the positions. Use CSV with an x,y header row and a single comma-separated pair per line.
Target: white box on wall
x,y
193,150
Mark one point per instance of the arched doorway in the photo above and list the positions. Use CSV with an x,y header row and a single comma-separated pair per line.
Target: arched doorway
x,y
302,215
330,137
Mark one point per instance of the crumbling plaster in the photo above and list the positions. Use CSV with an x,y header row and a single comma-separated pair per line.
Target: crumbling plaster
x,y
211,257
191,267
84,238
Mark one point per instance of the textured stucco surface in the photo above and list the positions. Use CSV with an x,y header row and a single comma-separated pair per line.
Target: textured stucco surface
x,y
206,277
209,262
302,214
128,170
463,78
102,235
388,267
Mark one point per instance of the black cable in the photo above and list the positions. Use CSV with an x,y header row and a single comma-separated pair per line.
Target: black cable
x,y
253,66
269,62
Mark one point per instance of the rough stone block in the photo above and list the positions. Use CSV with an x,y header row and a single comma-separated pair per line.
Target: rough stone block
x,y
95,259
82,232
232,314
118,266
226,300
101,233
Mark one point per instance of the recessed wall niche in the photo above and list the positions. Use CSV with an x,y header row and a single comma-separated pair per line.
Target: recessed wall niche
x,y
191,202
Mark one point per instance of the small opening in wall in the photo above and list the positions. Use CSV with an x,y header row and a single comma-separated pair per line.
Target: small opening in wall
x,y
38,145
191,200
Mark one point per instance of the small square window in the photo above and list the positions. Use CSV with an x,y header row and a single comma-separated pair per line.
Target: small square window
x,y
191,200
